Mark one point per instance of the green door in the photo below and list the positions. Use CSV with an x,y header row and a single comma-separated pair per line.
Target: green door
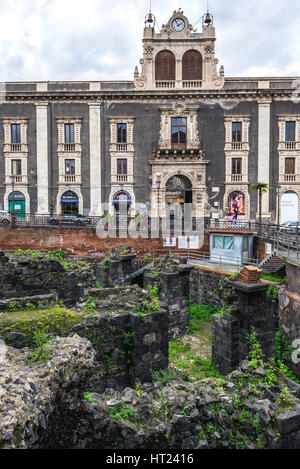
x,y
18,208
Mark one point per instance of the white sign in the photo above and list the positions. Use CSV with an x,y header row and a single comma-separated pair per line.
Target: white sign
x,y
289,207
169,242
194,242
182,242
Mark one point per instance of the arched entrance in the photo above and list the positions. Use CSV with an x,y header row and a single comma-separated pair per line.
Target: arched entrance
x,y
122,203
179,191
69,203
289,206
236,207
17,204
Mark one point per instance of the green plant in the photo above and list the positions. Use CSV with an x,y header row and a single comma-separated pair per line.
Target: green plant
x,y
30,306
285,400
272,291
88,396
273,278
255,355
164,376
121,413
260,187
90,304
43,352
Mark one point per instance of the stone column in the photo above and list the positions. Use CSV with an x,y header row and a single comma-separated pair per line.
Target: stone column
x,y
174,294
95,159
263,163
42,158
150,345
116,272
230,332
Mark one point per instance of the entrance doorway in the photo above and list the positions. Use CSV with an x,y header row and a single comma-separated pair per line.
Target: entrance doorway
x,y
179,190
69,203
289,207
17,204
122,203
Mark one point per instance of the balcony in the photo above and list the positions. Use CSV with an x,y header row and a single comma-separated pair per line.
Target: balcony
x,y
194,84
121,146
18,179
236,178
236,146
178,154
70,179
289,177
122,178
15,147
162,85
290,145
69,147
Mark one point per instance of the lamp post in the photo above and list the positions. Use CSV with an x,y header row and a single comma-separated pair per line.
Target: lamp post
x,y
278,192
158,187
13,181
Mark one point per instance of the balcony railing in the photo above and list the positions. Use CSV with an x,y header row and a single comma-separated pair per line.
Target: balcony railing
x,y
236,177
121,146
71,178
69,147
122,177
192,84
290,145
15,147
236,146
165,84
289,177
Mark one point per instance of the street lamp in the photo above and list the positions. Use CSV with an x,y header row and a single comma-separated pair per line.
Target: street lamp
x,y
158,187
13,181
278,192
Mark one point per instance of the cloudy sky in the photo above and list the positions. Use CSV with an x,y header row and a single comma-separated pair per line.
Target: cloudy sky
x,y
101,39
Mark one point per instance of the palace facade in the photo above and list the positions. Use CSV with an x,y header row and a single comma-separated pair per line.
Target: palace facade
x,y
181,131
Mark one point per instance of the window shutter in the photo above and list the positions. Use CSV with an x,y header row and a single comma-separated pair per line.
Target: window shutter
x,y
165,66
192,66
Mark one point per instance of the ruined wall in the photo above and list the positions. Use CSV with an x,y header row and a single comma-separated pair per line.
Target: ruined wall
x,y
230,331
212,287
22,277
289,308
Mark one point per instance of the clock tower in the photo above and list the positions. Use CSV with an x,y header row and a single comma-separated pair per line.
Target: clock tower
x,y
179,57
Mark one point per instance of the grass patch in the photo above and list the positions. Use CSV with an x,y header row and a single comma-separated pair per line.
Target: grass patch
x,y
184,359
200,314
274,278
55,320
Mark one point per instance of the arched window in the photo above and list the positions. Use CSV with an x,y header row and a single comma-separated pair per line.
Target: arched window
x,y
192,66
165,66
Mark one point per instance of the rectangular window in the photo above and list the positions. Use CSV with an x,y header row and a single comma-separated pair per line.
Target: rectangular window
x,y
290,166
223,242
236,131
16,167
245,243
121,133
178,129
69,167
69,134
16,133
122,166
290,128
236,166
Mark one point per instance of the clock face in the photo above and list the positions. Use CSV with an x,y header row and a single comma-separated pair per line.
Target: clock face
x,y
178,24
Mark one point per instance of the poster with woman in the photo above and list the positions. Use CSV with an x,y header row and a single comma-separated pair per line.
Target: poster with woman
x,y
236,207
